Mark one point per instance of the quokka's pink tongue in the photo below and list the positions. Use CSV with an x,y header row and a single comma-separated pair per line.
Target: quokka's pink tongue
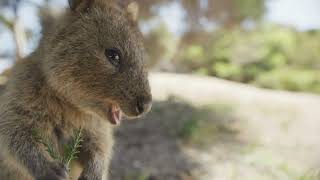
x,y
115,115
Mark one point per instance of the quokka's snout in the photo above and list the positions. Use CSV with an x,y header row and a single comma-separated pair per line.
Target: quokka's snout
x,y
137,106
143,105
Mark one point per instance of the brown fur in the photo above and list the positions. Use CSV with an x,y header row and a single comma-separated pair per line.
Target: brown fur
x,y
68,83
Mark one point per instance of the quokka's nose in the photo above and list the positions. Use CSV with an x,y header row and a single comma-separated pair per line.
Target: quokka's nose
x,y
143,105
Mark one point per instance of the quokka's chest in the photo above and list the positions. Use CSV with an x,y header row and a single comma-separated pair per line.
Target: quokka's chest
x,y
91,128
63,136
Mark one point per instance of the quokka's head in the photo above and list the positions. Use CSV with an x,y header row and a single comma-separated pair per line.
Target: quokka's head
x,y
95,59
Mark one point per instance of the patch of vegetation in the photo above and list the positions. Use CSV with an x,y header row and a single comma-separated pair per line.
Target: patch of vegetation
x,y
207,124
145,176
314,175
268,56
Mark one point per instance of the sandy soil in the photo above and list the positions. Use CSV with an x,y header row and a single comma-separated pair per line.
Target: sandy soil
x,y
266,135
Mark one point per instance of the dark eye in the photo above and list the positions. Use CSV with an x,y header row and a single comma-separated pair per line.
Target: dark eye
x,y
114,56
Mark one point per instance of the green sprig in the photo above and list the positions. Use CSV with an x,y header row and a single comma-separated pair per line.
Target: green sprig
x,y
71,150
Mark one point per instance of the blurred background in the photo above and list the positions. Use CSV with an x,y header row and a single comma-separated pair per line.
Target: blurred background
x,y
236,86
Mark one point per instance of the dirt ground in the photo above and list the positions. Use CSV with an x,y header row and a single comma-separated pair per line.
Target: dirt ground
x,y
204,128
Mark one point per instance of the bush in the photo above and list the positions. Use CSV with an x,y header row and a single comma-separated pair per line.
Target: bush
x,y
268,56
290,79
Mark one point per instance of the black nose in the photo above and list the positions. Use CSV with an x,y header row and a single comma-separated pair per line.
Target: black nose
x,y
143,105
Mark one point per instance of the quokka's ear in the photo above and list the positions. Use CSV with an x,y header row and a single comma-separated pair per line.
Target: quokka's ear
x,y
133,11
80,5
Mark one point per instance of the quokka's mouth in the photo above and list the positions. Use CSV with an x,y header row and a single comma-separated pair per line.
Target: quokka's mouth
x,y
114,114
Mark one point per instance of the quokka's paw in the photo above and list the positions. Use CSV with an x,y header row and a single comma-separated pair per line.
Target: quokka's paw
x,y
82,178
55,172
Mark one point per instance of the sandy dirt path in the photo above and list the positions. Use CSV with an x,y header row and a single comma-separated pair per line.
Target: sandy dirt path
x,y
279,131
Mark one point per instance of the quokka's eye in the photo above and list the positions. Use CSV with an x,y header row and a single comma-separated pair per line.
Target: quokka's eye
x,y
114,56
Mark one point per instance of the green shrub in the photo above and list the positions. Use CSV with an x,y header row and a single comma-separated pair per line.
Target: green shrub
x,y
269,56
290,79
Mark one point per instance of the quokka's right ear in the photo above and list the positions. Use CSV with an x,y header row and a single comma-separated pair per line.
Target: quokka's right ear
x,y
80,5
133,11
